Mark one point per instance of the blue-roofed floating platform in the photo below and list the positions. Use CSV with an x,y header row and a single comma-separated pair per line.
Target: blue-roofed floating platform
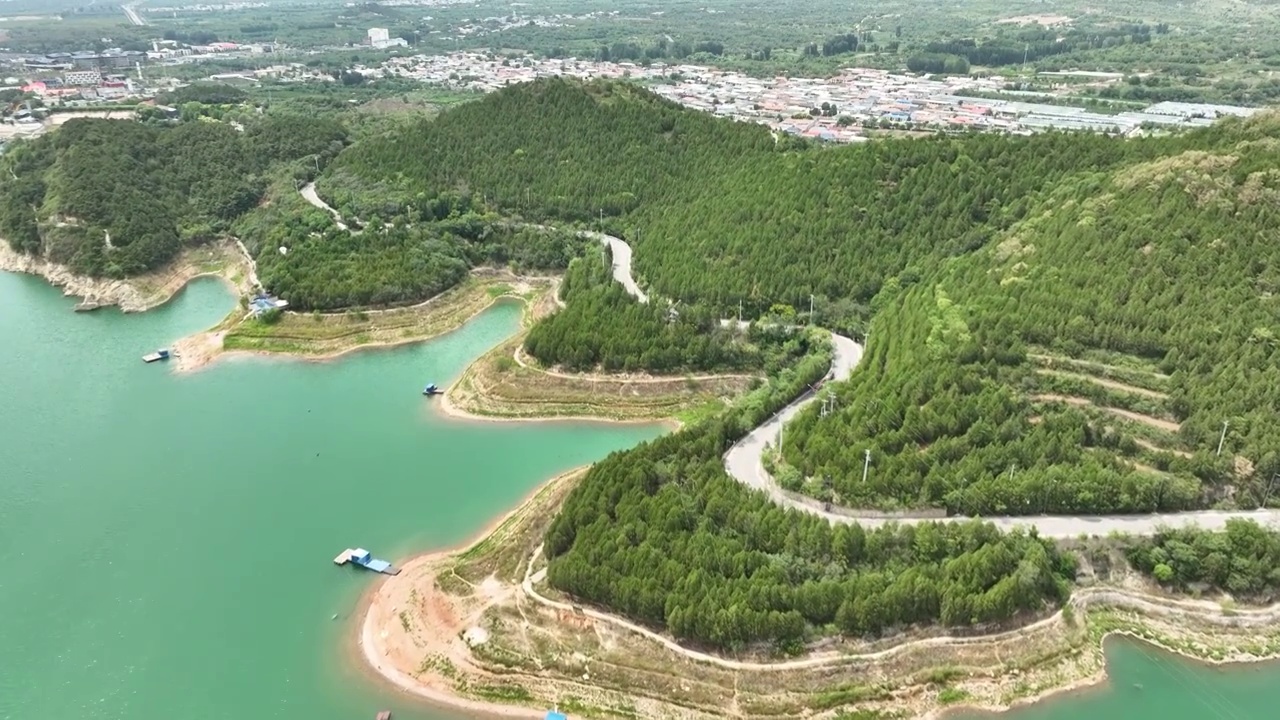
x,y
362,557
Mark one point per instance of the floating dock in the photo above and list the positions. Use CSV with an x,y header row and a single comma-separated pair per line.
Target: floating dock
x,y
157,355
361,557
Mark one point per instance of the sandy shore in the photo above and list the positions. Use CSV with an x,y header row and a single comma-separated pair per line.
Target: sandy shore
x,y
448,409
204,348
376,650
386,655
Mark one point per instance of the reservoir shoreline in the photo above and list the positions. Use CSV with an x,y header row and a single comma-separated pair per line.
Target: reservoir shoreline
x,y
363,640
368,601
220,259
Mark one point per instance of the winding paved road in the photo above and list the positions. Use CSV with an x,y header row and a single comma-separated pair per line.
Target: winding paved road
x,y
621,252
309,194
743,460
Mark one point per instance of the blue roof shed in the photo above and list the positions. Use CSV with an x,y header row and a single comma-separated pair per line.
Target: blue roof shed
x,y
556,715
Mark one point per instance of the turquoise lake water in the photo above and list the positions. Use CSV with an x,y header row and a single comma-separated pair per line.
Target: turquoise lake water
x,y
166,541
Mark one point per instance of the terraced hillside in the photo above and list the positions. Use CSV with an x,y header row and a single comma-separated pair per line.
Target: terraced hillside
x,y
1086,359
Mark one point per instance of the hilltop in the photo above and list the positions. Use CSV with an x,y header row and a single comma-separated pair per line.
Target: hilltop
x,y
556,148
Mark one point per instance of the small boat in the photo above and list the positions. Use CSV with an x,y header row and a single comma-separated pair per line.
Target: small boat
x,y
157,355
431,389
383,715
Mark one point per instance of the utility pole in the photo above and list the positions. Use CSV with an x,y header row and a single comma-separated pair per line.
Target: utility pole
x,y
1267,496
1223,438
866,465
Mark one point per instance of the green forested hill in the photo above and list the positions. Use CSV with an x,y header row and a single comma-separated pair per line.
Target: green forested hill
x,y
1086,358
555,148
148,188
837,222
661,533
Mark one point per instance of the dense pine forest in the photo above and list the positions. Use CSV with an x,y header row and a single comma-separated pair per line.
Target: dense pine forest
x,y
1243,560
720,212
1087,358
115,198
662,534
551,149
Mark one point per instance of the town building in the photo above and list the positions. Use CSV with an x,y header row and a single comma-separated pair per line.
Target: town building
x,y
82,78
381,38
835,108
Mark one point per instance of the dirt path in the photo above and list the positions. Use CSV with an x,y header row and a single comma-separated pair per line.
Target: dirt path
x,y
1156,448
1104,382
1050,359
1159,424
251,266
522,360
